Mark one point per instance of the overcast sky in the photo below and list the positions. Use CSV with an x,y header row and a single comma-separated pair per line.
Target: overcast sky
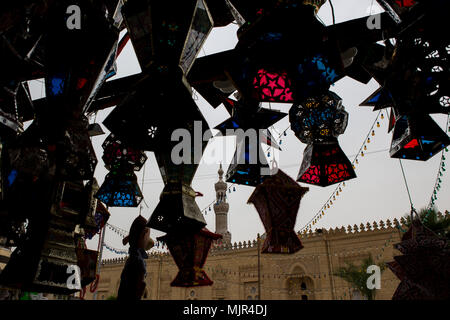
x,y
377,193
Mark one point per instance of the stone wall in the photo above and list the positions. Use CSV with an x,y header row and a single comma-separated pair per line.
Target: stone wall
x,y
305,274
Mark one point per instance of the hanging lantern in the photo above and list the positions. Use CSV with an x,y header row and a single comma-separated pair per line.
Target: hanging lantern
x,y
417,138
420,267
325,164
277,201
120,189
273,87
115,152
75,153
249,165
177,34
101,217
318,122
87,261
41,261
189,252
177,210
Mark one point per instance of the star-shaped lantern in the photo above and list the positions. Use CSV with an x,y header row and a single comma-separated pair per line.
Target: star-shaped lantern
x,y
423,267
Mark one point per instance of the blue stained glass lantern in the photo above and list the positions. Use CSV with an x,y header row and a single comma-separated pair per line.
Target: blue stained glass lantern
x,y
318,118
120,190
249,166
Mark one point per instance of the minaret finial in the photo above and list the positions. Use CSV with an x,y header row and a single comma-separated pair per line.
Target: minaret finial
x,y
220,172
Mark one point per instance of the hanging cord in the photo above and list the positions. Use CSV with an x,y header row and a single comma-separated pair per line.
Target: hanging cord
x,y
332,11
142,190
407,188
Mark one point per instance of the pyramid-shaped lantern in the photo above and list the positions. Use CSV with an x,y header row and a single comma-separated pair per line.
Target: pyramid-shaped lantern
x,y
277,201
417,138
324,164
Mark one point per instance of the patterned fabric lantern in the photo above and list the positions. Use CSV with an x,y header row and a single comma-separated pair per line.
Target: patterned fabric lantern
x,y
189,252
318,121
120,189
423,267
417,137
277,201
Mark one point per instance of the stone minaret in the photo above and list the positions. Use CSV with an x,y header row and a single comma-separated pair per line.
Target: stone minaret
x,y
221,209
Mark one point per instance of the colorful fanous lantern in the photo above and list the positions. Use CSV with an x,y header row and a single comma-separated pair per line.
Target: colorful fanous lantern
x,y
249,165
277,201
324,164
189,252
120,189
318,121
423,267
417,137
116,153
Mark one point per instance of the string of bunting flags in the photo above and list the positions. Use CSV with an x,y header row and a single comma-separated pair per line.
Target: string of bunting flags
x,y
437,185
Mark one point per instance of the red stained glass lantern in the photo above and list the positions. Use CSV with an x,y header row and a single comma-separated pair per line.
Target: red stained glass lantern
x,y
318,121
423,267
324,164
189,252
277,201
273,86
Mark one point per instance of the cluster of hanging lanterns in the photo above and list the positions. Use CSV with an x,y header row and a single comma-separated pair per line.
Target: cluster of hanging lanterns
x,y
52,162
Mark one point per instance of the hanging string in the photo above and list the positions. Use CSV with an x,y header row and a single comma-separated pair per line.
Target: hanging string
x,y
406,184
332,11
437,184
142,188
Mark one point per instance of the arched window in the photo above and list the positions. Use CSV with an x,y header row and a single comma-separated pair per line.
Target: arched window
x,y
303,286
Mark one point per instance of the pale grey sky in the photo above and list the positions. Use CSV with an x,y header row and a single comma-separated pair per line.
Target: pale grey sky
x,y
377,193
